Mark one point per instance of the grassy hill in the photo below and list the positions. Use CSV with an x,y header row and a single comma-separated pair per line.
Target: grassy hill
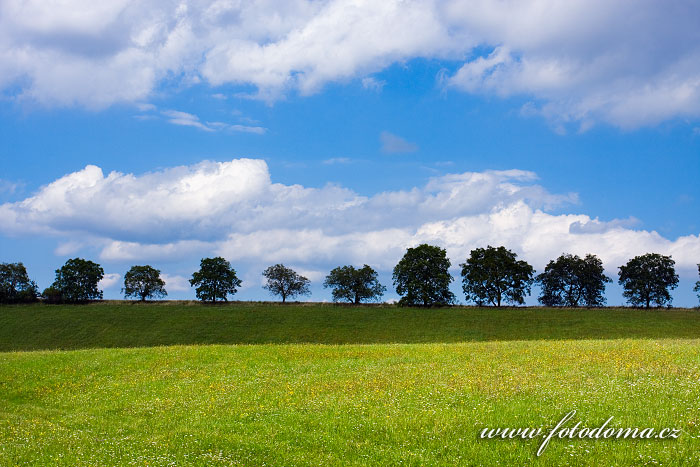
x,y
328,385
130,324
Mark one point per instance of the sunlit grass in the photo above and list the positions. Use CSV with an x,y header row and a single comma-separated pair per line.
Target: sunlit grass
x,y
370,404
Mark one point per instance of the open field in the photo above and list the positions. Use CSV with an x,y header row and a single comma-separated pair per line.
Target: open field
x,y
132,324
324,385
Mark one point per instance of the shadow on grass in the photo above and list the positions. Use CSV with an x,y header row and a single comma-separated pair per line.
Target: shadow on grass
x,y
133,324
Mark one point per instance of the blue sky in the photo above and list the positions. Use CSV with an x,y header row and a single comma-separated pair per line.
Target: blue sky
x,y
327,133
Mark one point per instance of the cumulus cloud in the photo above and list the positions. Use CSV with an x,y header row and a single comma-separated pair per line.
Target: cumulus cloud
x,y
234,209
393,144
626,63
109,280
175,283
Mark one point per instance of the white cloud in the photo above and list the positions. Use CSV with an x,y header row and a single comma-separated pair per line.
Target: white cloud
x,y
235,210
177,117
583,63
185,119
393,144
258,130
626,63
175,283
109,280
69,248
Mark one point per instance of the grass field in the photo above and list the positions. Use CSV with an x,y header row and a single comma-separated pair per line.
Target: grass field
x,y
255,384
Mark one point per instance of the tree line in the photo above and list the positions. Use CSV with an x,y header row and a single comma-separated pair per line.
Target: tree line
x,y
490,276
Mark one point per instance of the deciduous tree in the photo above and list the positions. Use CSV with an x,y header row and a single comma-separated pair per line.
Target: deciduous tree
x,y
573,281
215,280
354,285
285,282
493,275
648,279
697,284
15,285
422,277
143,282
77,281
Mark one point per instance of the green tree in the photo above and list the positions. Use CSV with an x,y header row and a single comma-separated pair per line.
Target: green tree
x,y
285,282
573,281
647,279
697,284
143,282
354,285
493,275
422,277
77,280
15,285
51,295
215,280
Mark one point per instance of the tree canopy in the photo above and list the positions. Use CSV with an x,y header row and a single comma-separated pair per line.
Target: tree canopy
x,y
647,279
285,282
354,285
697,284
493,275
143,282
215,280
422,277
77,281
15,285
572,281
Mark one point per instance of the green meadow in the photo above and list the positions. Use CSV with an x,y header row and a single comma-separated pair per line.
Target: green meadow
x,y
118,383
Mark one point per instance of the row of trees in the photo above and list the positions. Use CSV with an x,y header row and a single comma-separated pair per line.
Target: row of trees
x,y
494,275
490,276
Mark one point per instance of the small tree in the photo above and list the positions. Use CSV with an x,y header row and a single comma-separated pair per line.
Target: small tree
x,y
77,281
143,282
492,275
285,282
647,279
697,284
15,285
215,280
52,295
572,281
422,277
354,285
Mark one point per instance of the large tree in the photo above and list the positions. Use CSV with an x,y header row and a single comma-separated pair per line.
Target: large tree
x,y
15,285
647,279
354,285
422,277
143,282
77,281
494,275
215,280
573,281
285,282
697,284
